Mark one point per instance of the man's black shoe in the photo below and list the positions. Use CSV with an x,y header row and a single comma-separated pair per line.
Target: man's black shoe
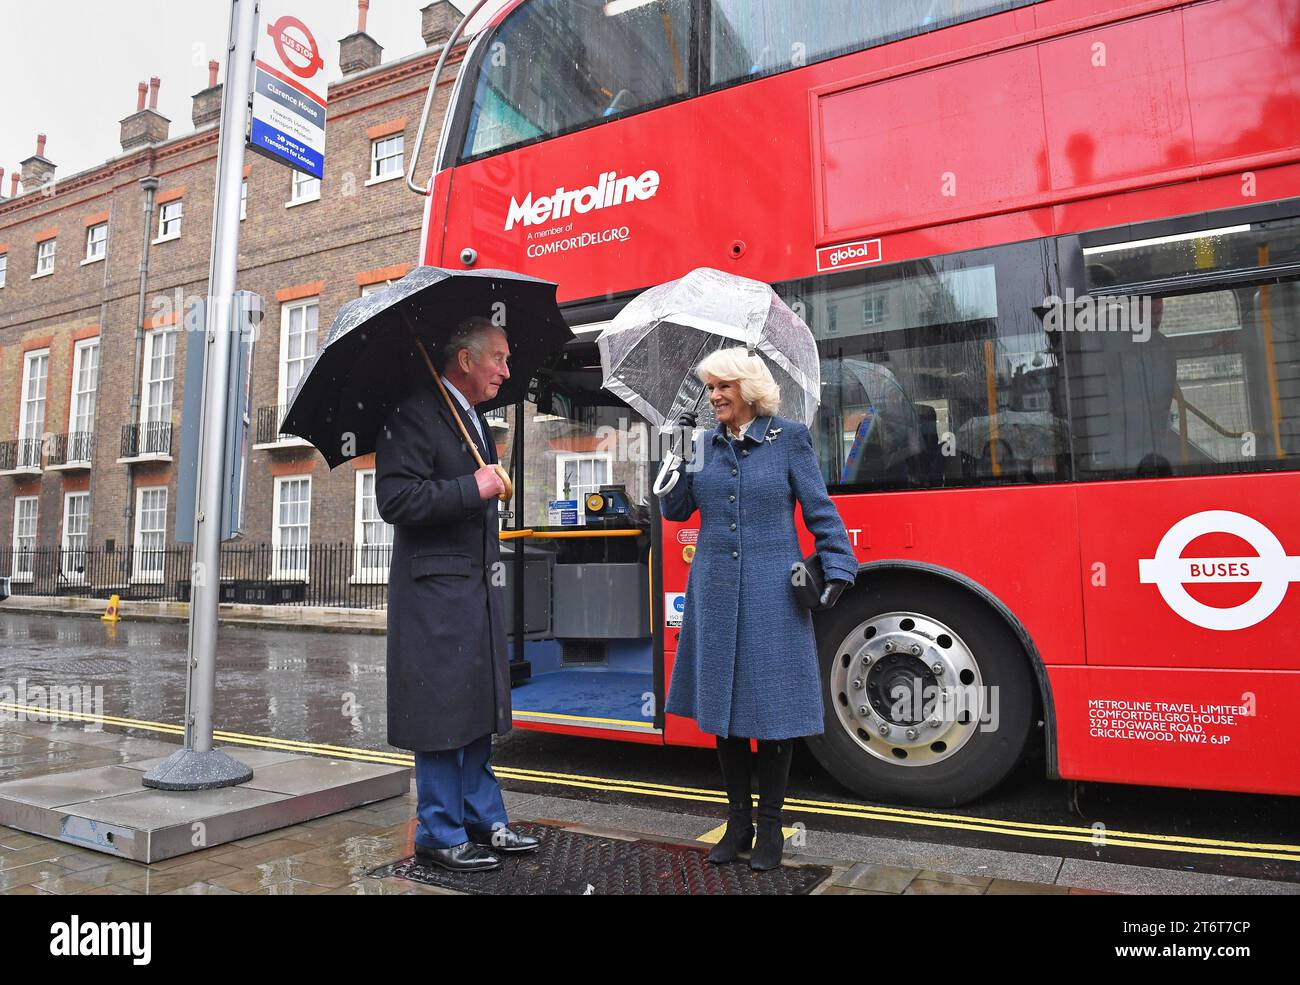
x,y
466,857
503,839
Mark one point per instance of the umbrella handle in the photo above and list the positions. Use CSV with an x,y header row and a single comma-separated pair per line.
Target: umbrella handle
x,y
668,476
506,494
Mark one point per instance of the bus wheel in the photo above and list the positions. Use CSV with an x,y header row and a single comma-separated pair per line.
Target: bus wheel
x,y
928,695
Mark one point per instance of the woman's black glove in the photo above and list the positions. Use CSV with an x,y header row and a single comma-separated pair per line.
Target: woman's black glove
x,y
831,594
684,431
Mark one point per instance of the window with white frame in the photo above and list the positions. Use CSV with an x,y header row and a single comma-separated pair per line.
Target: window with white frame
x,y
159,374
150,534
305,188
292,526
31,417
76,535
85,384
374,537
577,475
4,268
299,321
243,200
386,157
873,309
169,219
45,257
375,288
97,241
24,538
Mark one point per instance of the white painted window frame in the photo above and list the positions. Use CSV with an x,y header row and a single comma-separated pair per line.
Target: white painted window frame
x,y
138,549
368,574
278,570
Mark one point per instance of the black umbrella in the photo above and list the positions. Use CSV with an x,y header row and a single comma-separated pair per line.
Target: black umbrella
x,y
371,360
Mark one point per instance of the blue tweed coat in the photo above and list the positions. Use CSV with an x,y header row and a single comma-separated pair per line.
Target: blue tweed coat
x,y
747,659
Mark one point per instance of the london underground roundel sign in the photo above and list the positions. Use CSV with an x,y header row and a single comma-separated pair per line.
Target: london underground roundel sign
x,y
1170,572
296,46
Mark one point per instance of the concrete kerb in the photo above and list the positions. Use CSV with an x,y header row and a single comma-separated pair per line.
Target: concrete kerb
x,y
322,618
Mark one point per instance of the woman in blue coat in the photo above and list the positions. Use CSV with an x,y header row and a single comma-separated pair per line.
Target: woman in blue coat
x,y
746,665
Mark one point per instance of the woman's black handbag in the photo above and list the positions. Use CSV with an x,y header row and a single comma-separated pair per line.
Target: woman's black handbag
x,y
808,583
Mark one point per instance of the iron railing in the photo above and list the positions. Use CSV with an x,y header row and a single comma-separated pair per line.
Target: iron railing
x,y
335,575
153,438
75,446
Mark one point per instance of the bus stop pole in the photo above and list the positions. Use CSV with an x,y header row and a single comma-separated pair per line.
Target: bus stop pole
x,y
197,766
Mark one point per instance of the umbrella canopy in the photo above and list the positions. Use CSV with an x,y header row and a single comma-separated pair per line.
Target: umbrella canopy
x,y
370,362
650,351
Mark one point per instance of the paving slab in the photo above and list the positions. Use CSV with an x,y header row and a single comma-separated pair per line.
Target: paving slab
x,y
105,808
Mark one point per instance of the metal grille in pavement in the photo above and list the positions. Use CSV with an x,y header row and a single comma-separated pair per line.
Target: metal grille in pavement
x,y
571,863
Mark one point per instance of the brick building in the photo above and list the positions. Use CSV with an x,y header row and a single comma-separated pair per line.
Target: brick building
x,y
95,271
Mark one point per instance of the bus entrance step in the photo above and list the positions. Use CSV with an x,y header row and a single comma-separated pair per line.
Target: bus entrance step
x,y
572,863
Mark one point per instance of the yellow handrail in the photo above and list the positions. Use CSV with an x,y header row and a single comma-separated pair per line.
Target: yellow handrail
x,y
563,534
514,534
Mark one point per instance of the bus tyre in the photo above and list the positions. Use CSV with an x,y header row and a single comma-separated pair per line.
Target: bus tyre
x,y
928,694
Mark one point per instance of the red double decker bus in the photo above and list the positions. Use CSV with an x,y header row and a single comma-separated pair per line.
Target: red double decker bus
x,y
1050,253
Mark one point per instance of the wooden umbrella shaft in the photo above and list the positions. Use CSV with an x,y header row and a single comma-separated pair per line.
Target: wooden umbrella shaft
x,y
506,495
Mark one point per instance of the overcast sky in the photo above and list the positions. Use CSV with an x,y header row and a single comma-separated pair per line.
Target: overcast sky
x,y
69,68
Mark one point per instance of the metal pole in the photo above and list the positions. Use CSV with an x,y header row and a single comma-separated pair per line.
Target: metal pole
x,y
198,766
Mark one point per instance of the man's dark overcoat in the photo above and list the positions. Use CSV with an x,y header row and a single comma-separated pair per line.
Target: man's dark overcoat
x,y
448,672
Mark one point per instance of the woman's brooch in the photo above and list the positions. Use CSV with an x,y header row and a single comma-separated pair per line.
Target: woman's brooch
x,y
771,434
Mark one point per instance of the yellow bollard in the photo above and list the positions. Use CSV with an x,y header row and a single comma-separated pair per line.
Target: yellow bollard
x,y
111,613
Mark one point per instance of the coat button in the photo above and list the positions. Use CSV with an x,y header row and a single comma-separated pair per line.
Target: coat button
x,y
745,452
735,553
732,498
733,471
733,526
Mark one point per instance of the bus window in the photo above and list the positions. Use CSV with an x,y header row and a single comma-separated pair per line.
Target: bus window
x,y
1200,382
936,373
752,38
556,66
577,439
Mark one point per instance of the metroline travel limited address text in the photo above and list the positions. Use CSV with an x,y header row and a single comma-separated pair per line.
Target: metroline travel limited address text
x,y
1161,721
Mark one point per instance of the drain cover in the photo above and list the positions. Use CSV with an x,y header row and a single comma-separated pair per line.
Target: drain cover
x,y
570,863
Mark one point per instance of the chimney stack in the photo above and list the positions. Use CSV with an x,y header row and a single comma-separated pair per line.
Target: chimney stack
x,y
359,51
2,182
145,126
38,170
207,102
13,185
437,21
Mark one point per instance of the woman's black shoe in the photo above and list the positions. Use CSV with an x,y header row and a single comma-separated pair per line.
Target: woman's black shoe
x,y
738,838
768,846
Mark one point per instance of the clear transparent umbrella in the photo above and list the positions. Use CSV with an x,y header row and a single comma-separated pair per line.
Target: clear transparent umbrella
x,y
650,351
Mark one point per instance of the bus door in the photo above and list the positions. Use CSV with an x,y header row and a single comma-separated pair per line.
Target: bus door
x,y
1185,386
578,552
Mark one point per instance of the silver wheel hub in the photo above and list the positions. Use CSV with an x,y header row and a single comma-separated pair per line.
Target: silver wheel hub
x,y
906,689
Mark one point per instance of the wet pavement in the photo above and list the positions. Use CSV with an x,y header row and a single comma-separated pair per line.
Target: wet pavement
x,y
330,688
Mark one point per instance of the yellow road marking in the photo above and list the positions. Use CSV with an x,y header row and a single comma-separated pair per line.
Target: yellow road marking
x,y
893,815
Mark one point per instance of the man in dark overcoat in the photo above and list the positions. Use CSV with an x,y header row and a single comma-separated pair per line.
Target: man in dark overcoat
x,y
448,674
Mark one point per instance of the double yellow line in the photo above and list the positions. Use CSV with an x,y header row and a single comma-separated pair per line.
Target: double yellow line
x,y
1101,837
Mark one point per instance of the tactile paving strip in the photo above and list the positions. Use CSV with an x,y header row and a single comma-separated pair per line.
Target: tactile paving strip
x,y
572,863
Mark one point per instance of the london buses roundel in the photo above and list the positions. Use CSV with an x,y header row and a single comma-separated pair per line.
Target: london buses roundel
x,y
1170,572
